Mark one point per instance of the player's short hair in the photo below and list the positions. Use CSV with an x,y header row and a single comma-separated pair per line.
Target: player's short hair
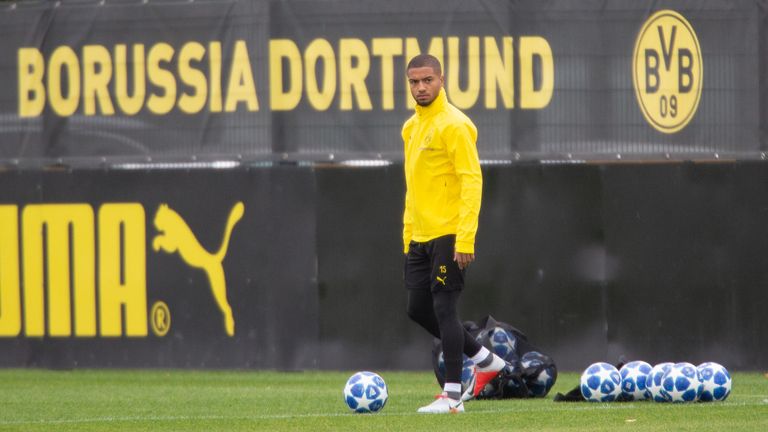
x,y
426,60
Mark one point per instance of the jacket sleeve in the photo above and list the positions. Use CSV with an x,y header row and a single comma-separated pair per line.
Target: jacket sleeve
x,y
407,218
461,141
407,221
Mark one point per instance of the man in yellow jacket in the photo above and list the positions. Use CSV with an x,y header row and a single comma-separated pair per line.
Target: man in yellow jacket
x,y
442,203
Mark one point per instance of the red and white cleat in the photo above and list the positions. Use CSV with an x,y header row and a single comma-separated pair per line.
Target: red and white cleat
x,y
482,377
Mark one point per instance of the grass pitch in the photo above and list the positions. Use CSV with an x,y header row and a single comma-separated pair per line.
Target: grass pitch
x,y
181,400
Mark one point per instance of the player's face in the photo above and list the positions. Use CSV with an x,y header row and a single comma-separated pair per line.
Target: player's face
x,y
425,84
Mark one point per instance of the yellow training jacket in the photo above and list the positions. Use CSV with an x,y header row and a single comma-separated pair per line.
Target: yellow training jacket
x,y
443,181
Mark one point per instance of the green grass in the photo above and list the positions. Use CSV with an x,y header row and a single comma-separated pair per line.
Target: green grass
x,y
180,400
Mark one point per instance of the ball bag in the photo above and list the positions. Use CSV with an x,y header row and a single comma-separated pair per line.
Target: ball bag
x,y
528,373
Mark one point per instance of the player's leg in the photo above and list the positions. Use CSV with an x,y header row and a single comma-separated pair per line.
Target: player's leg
x,y
416,278
455,340
487,367
420,311
417,274
451,337
446,282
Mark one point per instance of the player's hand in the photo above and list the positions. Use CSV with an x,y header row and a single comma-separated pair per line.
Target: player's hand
x,y
463,259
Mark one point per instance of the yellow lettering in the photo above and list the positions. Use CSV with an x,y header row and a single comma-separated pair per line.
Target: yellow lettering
x,y
387,49
122,277
62,58
353,73
530,47
287,100
499,72
463,98
161,104
320,99
130,105
192,103
67,227
97,72
31,88
412,49
214,65
241,87
10,302
318,73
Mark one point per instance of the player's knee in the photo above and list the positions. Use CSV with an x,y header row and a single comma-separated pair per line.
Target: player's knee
x,y
445,312
417,312
444,307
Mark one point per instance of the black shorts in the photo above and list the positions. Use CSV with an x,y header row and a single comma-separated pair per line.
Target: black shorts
x,y
430,266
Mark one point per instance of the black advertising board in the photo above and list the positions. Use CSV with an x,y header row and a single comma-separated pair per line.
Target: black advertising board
x,y
151,268
324,80
139,268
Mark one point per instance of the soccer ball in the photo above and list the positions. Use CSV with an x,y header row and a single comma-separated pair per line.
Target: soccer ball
x,y
653,383
467,369
681,383
715,380
365,392
634,377
600,382
502,343
539,385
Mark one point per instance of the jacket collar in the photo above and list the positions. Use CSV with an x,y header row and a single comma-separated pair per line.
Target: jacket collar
x,y
436,106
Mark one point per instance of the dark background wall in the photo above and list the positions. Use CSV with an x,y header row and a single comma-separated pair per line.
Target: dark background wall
x,y
659,262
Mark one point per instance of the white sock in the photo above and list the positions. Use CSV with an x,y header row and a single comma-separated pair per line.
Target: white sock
x,y
452,390
452,387
489,362
481,355
497,364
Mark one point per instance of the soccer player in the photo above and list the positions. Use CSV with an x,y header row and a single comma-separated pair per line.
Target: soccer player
x,y
442,203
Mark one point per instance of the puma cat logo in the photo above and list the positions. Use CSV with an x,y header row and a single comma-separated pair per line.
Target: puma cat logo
x,y
176,236
441,279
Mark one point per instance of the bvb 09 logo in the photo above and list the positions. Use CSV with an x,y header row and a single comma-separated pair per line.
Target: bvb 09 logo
x,y
667,71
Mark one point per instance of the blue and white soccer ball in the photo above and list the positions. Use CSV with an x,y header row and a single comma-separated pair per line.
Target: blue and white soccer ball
x,y
601,382
653,383
681,383
634,377
503,343
539,385
715,380
467,369
365,392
